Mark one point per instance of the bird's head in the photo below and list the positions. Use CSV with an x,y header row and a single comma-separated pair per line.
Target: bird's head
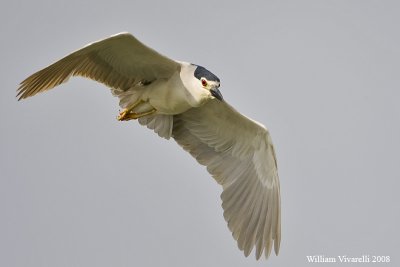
x,y
208,81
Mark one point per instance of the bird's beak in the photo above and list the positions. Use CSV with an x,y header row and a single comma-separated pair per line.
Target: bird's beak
x,y
217,94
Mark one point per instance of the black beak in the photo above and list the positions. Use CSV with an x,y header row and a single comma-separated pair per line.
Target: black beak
x,y
217,94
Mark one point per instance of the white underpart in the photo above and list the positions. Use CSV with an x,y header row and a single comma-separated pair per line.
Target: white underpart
x,y
169,97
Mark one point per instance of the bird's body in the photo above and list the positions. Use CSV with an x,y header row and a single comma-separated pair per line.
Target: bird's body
x,y
169,96
182,100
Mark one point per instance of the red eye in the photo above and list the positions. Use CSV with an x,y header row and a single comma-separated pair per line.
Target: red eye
x,y
203,82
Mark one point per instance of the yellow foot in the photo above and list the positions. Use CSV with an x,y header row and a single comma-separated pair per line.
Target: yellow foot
x,y
126,115
122,115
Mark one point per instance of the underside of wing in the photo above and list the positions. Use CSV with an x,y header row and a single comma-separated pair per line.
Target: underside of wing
x,y
239,154
120,62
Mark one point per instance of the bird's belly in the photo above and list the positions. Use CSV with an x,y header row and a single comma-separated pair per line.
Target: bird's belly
x,y
170,97
170,101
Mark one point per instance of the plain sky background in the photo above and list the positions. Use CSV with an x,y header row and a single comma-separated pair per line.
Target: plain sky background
x,y
79,188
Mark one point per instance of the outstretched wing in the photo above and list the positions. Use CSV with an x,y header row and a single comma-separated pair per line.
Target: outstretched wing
x,y
120,62
239,154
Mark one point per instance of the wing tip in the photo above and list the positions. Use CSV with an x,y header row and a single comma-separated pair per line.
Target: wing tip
x,y
22,92
265,250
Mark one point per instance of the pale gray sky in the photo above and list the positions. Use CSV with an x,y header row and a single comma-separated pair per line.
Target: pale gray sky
x,y
79,188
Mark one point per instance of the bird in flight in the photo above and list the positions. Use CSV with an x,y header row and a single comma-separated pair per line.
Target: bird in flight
x,y
182,100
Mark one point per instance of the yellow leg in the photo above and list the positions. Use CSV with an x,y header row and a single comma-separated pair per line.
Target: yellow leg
x,y
126,111
133,116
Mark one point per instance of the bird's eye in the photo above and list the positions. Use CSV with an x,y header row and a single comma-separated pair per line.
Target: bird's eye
x,y
203,82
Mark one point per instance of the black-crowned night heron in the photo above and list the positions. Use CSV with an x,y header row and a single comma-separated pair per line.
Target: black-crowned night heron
x,y
182,100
